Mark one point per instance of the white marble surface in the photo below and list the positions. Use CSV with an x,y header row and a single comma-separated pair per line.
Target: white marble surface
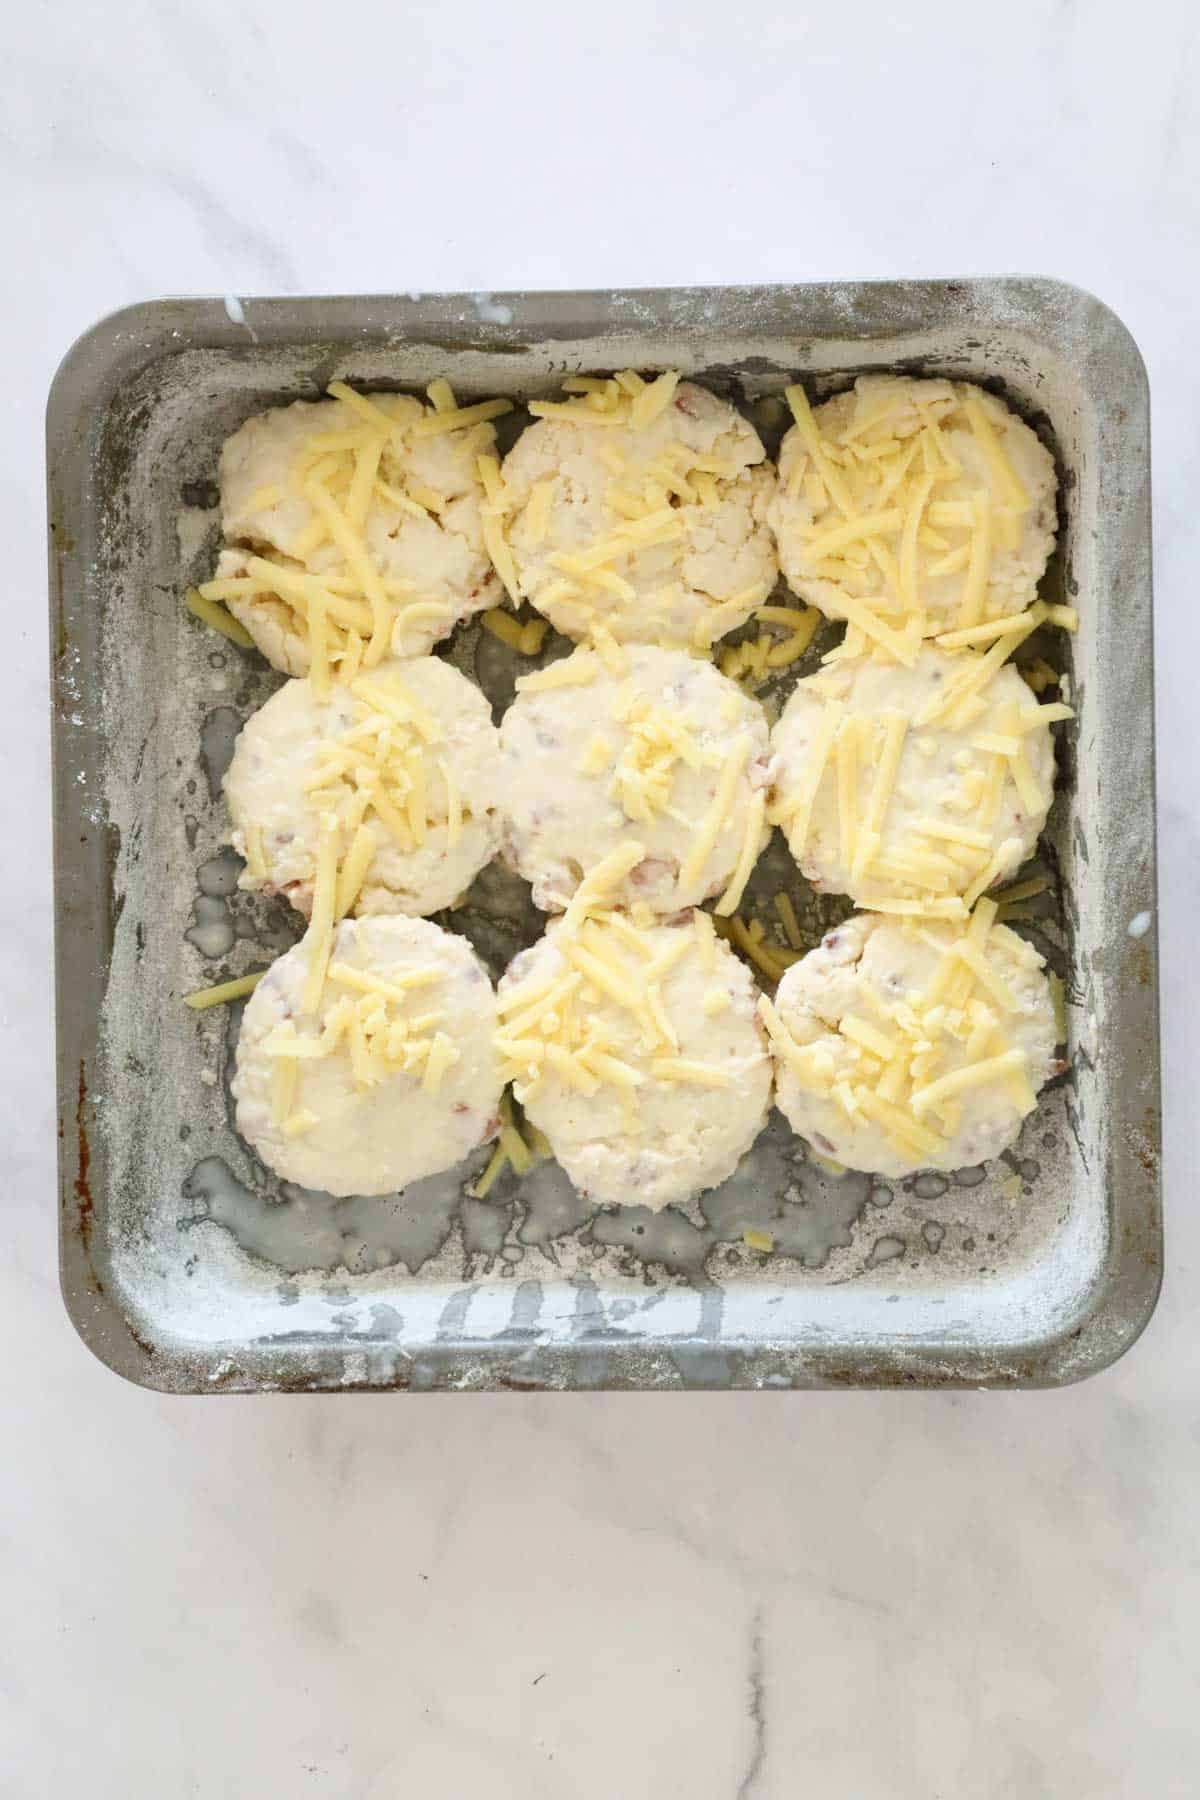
x,y
848,1597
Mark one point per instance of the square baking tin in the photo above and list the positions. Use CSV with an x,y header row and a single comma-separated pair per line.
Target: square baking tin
x,y
185,1268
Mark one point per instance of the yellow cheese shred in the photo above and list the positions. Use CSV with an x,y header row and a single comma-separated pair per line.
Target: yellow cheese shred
x,y
653,399
502,625
441,396
1006,476
751,844
225,991
787,915
318,937
684,1069
365,408
435,424
537,512
960,1080
573,671
771,962
722,803
598,884
895,731
497,1164
974,592
795,809
353,871
442,1055
705,938
1023,890
754,1239
210,613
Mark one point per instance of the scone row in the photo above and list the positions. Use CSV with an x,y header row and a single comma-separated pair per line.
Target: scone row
x,y
895,786
642,1053
360,526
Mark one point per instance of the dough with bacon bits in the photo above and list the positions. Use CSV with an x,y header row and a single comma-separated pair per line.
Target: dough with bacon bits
x,y
915,506
889,791
404,758
639,1054
394,1076
660,749
413,501
911,1046
642,509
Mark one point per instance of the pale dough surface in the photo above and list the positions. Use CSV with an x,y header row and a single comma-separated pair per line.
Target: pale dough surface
x,y
278,750
935,763
725,550
1013,571
869,955
378,1139
441,554
564,818
673,1140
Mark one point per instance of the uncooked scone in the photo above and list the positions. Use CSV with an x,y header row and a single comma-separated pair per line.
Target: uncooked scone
x,y
882,1009
960,492
425,786
657,749
410,1083
419,517
639,1055
668,519
959,814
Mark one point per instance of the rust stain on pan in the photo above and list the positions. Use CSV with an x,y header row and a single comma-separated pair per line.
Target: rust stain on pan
x,y
143,1344
83,1191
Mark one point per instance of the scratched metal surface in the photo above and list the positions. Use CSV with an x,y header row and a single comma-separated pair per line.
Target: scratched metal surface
x,y
187,1267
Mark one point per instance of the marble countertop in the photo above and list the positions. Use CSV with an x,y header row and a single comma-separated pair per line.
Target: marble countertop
x,y
853,1597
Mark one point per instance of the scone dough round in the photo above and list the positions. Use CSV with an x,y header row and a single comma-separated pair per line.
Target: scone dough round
x,y
874,973
641,754
665,1139
956,809
698,469
893,444
372,1139
278,803
429,547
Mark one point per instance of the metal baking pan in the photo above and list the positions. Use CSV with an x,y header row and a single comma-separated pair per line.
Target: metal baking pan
x,y
186,1268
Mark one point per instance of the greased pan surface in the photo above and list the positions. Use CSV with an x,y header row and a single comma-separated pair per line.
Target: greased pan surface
x,y
186,1268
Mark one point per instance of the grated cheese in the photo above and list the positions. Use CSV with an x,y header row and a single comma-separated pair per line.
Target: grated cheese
x,y
210,613
895,730
960,1080
318,938
787,915
537,511
598,884
771,962
441,396
653,400
678,1068
365,408
717,816
225,991
751,845
435,424
573,671
758,1240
